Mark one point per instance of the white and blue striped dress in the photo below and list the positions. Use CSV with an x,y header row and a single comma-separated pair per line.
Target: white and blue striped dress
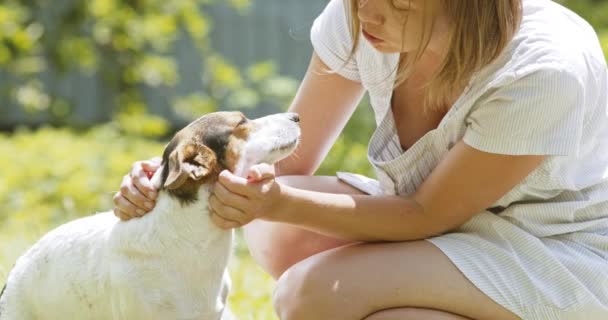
x,y
541,250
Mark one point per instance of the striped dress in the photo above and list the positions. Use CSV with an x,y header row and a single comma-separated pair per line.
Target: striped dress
x,y
540,251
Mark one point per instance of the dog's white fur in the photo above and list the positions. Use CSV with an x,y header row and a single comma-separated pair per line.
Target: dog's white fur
x,y
169,264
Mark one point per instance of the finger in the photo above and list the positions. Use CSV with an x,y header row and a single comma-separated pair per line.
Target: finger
x,y
131,193
121,215
127,208
229,198
254,174
234,183
223,223
151,165
261,171
227,212
142,182
145,188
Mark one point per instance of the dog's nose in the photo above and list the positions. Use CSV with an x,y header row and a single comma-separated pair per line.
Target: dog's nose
x,y
294,117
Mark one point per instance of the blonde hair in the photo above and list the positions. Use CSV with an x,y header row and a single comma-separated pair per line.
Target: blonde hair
x,y
479,30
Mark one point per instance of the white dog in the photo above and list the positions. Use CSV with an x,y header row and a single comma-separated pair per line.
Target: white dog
x,y
169,264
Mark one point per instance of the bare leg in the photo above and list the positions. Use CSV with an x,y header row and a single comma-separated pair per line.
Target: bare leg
x,y
414,314
278,246
356,281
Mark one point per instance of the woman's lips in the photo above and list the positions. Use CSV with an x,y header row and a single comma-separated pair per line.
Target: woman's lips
x,y
370,38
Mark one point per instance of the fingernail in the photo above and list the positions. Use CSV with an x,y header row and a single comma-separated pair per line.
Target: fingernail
x,y
224,175
140,212
149,204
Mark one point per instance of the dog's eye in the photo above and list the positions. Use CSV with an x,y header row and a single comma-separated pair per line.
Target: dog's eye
x,y
243,121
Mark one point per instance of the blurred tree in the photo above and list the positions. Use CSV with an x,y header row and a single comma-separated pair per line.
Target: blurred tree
x,y
128,44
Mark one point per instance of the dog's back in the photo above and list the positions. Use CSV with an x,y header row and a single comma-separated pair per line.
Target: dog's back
x,y
168,263
51,273
1,303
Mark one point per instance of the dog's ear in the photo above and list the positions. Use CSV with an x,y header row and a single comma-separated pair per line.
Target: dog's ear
x,y
189,160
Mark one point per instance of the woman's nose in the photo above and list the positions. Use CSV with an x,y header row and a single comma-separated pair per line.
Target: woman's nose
x,y
368,12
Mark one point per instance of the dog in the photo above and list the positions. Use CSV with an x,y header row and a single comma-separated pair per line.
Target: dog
x,y
168,264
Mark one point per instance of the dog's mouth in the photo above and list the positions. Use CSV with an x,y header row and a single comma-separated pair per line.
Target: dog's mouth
x,y
280,151
268,147
286,147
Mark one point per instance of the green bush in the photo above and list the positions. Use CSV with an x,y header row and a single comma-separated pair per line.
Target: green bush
x,y
51,175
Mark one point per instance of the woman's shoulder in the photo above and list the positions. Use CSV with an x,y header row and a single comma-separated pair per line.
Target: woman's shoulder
x,y
543,91
551,36
332,40
552,42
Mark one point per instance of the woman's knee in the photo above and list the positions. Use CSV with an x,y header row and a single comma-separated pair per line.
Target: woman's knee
x,y
272,246
413,314
301,292
278,246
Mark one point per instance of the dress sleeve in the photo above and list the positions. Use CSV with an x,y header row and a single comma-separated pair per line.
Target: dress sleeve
x,y
331,39
541,113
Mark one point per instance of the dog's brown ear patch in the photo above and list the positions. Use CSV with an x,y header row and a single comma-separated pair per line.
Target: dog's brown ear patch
x,y
189,160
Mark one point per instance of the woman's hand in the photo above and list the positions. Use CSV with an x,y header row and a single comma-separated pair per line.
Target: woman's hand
x,y
236,201
137,195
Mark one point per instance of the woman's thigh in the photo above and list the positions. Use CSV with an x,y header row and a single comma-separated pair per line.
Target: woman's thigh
x,y
277,246
354,282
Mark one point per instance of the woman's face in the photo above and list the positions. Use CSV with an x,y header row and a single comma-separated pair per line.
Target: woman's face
x,y
397,25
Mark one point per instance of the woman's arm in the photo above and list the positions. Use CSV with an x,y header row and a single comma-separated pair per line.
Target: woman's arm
x,y
325,101
466,182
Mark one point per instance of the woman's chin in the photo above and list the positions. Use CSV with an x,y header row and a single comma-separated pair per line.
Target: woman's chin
x,y
384,48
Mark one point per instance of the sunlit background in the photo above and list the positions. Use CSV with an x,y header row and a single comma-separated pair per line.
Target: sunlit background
x,y
89,87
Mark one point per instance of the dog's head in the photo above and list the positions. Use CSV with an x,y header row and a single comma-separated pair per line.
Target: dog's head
x,y
224,140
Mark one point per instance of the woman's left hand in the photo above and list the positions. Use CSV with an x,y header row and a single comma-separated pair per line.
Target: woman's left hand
x,y
236,201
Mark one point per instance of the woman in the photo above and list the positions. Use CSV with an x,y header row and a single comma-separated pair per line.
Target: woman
x,y
491,152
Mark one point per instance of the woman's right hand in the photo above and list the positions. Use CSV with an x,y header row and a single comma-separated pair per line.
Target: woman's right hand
x,y
137,195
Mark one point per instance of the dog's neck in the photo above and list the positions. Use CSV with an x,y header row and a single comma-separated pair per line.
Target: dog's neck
x,y
190,244
188,192
173,220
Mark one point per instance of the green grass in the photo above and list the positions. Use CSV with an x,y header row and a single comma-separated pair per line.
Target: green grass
x,y
42,187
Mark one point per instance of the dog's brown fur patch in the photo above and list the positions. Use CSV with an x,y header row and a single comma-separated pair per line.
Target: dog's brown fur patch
x,y
212,142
